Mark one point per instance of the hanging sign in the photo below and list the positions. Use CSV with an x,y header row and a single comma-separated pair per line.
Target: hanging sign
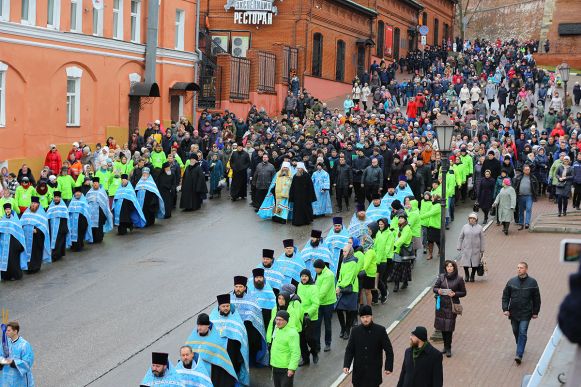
x,y
252,11
388,41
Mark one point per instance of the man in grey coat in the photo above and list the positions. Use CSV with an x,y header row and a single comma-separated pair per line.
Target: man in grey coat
x,y
372,180
261,180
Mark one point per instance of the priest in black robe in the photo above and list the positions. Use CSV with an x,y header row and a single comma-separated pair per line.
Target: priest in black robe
x,y
15,248
302,195
194,188
239,163
165,183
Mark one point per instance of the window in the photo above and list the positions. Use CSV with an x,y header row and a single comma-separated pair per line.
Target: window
x,y
317,61
53,14
436,32
117,19
4,10
74,96
180,22
28,14
97,21
446,33
380,37
340,64
3,68
136,21
76,16
425,19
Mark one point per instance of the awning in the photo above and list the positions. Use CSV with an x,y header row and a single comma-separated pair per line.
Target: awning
x,y
367,42
185,86
144,89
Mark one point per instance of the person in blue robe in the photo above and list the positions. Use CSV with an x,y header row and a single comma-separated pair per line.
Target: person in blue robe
x,y
59,222
161,373
101,218
389,197
262,293
229,324
290,263
276,205
126,208
36,235
251,314
149,198
272,276
359,220
79,216
336,239
376,211
322,183
13,257
16,358
213,350
315,249
192,370
403,189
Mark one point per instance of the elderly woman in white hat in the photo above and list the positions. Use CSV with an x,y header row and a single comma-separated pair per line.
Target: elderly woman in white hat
x,y
471,246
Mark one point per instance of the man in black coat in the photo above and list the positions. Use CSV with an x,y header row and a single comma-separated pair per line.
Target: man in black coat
x,y
422,363
194,187
366,344
493,164
239,162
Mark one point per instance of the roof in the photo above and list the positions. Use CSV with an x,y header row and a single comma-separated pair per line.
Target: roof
x,y
358,7
414,4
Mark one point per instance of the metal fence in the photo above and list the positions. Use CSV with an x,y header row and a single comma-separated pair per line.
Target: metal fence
x,y
290,62
266,72
240,78
210,75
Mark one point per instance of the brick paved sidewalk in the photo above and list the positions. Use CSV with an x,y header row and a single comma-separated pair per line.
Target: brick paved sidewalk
x,y
483,345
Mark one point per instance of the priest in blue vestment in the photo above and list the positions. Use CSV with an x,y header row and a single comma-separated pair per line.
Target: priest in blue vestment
x,y
101,217
126,208
37,237
149,198
13,257
192,370
322,184
290,263
59,222
80,218
272,275
315,249
16,358
262,293
161,373
336,239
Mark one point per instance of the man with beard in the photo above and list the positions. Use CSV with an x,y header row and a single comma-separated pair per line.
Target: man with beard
x,y
229,325
247,307
359,220
79,216
263,294
390,196
239,163
194,187
272,275
261,180
214,350
161,372
290,262
126,208
422,363
302,196
165,183
336,239
276,204
12,243
58,218
192,373
376,211
149,198
101,217
36,234
315,249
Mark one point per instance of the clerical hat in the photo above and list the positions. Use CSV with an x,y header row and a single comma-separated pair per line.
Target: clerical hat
x,y
376,196
223,299
7,205
338,220
268,253
288,243
240,280
159,358
258,272
203,319
96,179
56,193
35,199
359,207
316,233
77,189
125,176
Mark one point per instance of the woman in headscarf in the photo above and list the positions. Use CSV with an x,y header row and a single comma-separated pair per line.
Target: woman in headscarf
x,y
347,289
471,246
506,203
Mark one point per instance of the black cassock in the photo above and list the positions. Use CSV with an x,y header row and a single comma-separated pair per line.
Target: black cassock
x,y
60,247
83,225
13,270
221,378
302,195
37,251
98,233
165,183
125,221
150,208
194,188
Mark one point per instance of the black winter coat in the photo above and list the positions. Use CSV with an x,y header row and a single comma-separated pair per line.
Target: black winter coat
x,y
522,298
365,348
426,371
486,193
445,320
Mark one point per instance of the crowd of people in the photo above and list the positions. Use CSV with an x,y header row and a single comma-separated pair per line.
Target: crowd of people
x,y
380,150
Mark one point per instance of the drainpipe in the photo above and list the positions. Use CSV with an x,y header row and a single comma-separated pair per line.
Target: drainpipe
x,y
151,46
197,65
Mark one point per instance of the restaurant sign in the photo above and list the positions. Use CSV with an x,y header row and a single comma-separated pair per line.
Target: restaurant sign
x,y
252,11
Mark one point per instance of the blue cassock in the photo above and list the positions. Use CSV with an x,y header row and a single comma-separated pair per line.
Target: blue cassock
x,y
322,185
211,349
387,200
249,310
37,219
232,327
149,185
291,267
264,297
357,227
374,213
269,203
310,254
272,276
198,375
335,241
128,193
11,227
169,379
79,207
54,213
402,193
23,355
98,199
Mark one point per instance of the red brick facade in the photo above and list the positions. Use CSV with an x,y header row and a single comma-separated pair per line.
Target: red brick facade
x,y
563,47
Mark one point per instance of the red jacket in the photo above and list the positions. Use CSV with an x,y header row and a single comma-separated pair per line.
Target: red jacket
x,y
412,109
53,161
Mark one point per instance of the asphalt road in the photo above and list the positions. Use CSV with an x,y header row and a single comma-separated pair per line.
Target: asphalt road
x,y
94,318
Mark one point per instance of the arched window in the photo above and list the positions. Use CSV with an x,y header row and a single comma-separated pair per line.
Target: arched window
x,y
380,38
340,64
436,32
425,19
317,63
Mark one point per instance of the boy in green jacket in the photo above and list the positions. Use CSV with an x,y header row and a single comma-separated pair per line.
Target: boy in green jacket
x,y
285,351
325,282
309,294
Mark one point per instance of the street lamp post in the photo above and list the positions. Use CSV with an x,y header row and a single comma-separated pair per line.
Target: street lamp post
x,y
564,70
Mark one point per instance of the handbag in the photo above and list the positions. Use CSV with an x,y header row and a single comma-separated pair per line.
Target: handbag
x,y
347,289
456,308
406,251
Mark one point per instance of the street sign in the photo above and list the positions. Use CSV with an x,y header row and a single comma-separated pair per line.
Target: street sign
x,y
424,30
423,40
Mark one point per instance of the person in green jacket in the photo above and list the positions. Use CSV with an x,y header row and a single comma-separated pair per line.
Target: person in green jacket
x,y
43,194
309,294
325,282
347,289
402,247
157,157
285,351
383,247
105,176
23,194
123,166
65,184
367,268
413,213
432,218
290,303
424,209
8,199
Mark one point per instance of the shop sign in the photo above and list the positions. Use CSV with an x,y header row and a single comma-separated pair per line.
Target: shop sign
x,y
252,11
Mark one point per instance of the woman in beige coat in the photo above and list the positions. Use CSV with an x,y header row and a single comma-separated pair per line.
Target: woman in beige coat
x,y
471,246
505,204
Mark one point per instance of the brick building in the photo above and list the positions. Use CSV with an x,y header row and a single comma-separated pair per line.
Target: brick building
x,y
561,25
74,69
